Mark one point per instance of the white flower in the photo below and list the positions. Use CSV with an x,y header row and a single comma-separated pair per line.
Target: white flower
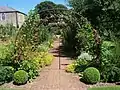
x,y
85,56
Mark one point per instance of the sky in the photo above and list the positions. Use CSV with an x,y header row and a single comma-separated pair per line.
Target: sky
x,y
26,5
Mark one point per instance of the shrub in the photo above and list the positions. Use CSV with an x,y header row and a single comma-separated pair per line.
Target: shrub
x,y
20,77
91,75
70,68
44,59
6,74
81,65
110,68
110,73
43,48
40,60
6,52
85,56
8,31
82,62
31,67
48,59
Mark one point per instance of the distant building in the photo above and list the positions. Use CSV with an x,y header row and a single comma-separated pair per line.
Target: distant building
x,y
9,15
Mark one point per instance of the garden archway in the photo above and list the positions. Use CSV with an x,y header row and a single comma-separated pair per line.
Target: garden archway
x,y
75,24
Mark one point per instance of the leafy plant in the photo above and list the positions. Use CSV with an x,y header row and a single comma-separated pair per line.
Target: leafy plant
x,y
107,52
85,39
70,68
82,62
8,31
20,77
44,59
110,73
6,74
110,61
91,75
85,56
40,60
31,67
48,58
30,37
81,65
103,15
6,53
43,48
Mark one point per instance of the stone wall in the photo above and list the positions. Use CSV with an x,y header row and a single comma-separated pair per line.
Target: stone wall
x,y
21,18
10,18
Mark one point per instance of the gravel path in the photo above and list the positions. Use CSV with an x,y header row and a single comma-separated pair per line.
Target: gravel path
x,y
51,78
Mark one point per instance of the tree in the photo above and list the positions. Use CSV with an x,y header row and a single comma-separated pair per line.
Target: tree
x,y
103,14
50,13
45,6
45,9
61,6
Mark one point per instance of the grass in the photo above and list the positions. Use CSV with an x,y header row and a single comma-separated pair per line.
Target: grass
x,y
106,88
9,89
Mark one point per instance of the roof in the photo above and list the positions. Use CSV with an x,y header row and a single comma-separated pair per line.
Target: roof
x,y
6,9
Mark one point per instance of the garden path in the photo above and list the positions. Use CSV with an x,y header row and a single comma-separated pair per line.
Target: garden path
x,y
51,78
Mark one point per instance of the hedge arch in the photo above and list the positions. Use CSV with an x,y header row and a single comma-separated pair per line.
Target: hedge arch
x,y
31,32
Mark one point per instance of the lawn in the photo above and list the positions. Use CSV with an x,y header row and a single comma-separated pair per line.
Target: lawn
x,y
9,89
105,88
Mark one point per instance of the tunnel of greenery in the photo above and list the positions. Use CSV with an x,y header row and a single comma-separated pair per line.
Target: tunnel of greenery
x,y
89,31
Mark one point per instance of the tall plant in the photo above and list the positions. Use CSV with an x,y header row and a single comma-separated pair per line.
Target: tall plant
x,y
30,36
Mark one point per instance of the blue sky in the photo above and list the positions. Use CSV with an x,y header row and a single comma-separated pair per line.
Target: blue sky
x,y
26,5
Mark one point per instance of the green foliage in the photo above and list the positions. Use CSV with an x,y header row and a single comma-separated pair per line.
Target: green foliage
x,y
106,88
79,39
8,31
81,65
31,67
91,75
20,77
107,52
2,88
44,47
102,14
85,39
110,61
39,58
48,58
70,68
78,66
44,59
48,5
85,56
36,61
31,35
6,74
110,73
82,62
44,6
6,53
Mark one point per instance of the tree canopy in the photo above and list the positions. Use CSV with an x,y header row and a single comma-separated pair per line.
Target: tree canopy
x,y
47,5
104,15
